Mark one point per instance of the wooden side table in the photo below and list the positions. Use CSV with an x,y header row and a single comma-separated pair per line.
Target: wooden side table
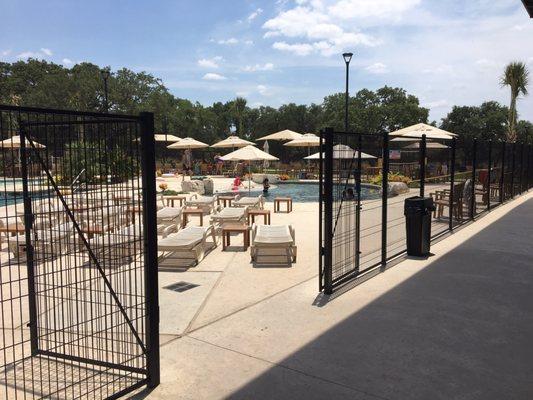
x,y
229,228
172,198
225,199
252,213
192,211
279,200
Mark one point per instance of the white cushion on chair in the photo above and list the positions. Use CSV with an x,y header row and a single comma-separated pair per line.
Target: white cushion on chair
x,y
273,235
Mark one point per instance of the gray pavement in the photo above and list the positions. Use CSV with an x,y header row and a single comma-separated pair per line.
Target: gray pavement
x,y
454,326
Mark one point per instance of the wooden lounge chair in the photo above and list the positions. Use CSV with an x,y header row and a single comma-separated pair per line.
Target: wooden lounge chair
x,y
277,237
253,202
441,199
189,243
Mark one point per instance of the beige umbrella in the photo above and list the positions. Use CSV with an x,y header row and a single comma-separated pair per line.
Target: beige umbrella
x,y
430,145
342,152
14,143
163,137
286,134
249,153
187,143
308,140
232,142
418,130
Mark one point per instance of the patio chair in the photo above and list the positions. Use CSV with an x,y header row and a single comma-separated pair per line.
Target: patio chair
x,y
189,243
253,202
228,214
168,217
120,247
441,199
206,203
101,220
47,242
274,237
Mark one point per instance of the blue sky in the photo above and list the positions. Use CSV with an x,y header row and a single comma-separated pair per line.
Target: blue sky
x,y
273,52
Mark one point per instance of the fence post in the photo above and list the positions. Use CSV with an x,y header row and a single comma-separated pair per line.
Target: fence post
x,y
384,198
452,185
513,159
328,211
502,175
521,168
320,215
358,209
489,174
422,165
473,195
28,221
150,246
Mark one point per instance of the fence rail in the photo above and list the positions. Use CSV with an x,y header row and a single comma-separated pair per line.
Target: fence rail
x,y
362,193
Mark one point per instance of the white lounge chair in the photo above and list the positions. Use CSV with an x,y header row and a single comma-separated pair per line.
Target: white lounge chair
x,y
189,243
167,217
48,242
120,247
254,202
206,203
277,237
228,214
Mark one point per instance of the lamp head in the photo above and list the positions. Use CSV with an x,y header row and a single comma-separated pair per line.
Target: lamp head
x,y
347,57
105,73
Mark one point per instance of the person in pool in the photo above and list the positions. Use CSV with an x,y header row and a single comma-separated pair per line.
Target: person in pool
x,y
237,183
266,185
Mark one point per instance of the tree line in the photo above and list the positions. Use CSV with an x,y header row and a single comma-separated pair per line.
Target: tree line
x,y
46,84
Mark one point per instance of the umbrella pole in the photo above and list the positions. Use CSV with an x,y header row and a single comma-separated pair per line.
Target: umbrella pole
x,y
249,177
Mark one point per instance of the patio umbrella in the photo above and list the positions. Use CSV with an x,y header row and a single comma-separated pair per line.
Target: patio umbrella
x,y
163,137
308,140
187,143
430,145
232,142
249,153
417,130
342,152
285,134
14,143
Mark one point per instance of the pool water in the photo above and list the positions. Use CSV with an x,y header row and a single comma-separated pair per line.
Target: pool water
x,y
309,192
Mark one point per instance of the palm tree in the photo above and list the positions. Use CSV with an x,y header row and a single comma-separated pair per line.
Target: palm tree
x,y
515,76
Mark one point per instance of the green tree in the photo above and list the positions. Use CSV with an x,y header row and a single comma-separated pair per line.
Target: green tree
x,y
516,76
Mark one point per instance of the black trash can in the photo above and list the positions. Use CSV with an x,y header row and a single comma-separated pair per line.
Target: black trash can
x,y
417,211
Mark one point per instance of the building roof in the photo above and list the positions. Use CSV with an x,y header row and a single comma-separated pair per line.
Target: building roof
x,y
528,4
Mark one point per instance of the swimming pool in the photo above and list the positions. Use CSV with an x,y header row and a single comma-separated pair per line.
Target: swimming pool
x,y
308,192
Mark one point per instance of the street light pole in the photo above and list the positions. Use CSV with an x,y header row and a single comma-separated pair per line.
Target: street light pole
x,y
105,76
347,58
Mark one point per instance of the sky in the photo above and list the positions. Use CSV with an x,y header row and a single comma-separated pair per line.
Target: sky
x,y
446,53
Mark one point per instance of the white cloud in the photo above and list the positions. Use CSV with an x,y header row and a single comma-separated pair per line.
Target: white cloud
x,y
228,41
248,42
377,68
354,9
5,53
436,104
312,23
67,61
262,89
300,49
255,14
210,62
43,53
210,76
259,67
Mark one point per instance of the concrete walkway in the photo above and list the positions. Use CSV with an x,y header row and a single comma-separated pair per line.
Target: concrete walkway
x,y
455,326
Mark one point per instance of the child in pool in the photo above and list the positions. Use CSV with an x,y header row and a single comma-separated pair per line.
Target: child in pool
x,y
266,185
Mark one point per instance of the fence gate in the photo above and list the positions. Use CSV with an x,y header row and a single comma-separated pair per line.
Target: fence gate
x,y
340,207
78,254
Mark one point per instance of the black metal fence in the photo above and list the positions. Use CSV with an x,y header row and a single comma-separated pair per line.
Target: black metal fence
x,y
364,180
78,254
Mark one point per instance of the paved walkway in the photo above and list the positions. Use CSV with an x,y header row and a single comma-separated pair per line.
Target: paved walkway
x,y
455,326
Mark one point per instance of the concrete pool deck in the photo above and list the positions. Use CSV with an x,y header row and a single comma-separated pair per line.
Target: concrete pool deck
x,y
455,325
